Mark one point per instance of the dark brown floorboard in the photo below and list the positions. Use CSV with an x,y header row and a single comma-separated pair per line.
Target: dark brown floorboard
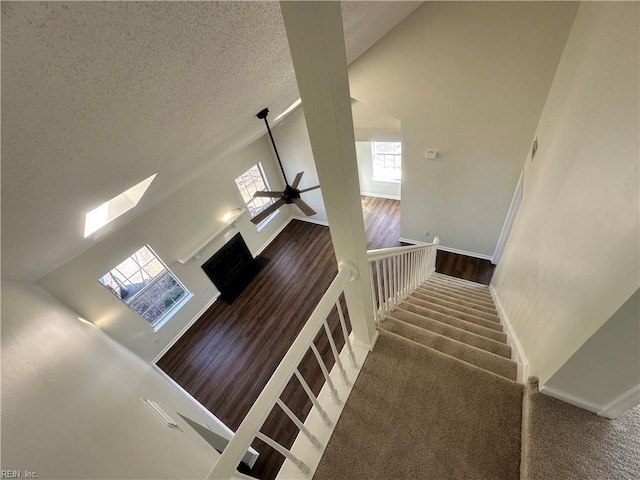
x,y
462,266
381,222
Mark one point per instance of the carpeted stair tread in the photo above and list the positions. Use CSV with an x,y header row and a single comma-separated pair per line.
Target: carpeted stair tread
x,y
454,321
418,301
480,307
464,336
458,308
459,283
430,288
484,296
462,351
425,302
415,412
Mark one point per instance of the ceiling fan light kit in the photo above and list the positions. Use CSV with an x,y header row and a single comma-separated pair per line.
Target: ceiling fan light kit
x,y
291,194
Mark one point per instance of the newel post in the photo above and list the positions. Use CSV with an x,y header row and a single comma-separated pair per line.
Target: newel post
x,y
316,41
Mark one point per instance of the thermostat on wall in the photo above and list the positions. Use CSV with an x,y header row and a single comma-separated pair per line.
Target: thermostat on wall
x,y
431,154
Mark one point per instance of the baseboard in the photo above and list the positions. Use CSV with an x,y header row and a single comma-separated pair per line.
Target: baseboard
x,y
624,402
481,256
310,220
275,234
571,399
185,328
517,352
447,249
379,195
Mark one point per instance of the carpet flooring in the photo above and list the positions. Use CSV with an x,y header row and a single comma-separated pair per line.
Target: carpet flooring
x,y
418,413
563,442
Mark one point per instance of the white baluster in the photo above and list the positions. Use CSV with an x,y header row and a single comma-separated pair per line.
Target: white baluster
x,y
380,311
345,333
325,372
312,397
373,293
312,438
336,355
283,451
385,280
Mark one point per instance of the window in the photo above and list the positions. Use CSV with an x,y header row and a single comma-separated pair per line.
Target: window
x,y
250,182
387,159
145,284
118,205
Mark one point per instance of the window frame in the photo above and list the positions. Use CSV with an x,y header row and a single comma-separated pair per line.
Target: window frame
x,y
268,201
397,163
123,280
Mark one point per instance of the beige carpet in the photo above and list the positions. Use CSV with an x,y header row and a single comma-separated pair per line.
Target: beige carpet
x,y
416,413
562,442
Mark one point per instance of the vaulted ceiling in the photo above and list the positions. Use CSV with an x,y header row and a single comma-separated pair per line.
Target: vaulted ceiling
x,y
97,96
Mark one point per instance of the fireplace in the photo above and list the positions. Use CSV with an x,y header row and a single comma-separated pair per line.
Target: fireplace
x,y
232,268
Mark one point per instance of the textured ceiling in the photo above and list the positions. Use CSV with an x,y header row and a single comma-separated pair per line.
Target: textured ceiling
x,y
97,96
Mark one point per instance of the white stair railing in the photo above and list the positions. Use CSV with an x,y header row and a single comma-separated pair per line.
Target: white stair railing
x,y
288,368
396,272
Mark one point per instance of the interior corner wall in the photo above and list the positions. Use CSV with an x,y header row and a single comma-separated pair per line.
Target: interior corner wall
x,y
468,79
71,405
607,365
170,227
572,257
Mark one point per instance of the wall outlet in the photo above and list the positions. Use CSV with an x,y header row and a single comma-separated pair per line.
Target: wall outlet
x,y
427,234
431,154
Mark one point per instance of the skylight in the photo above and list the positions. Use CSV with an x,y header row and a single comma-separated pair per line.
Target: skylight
x,y
109,211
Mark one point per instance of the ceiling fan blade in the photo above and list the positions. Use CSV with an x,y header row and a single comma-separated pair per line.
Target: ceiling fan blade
x,y
296,180
306,209
310,188
267,211
267,193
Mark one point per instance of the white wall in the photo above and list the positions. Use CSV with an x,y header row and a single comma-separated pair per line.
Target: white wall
x,y
607,365
572,257
470,80
71,404
169,227
369,126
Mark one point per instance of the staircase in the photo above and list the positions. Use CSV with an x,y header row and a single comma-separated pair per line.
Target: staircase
x,y
458,318
437,397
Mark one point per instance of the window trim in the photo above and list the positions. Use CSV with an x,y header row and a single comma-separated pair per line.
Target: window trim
x,y
263,175
171,311
380,179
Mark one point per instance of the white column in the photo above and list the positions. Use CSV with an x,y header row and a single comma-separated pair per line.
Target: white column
x,y
316,41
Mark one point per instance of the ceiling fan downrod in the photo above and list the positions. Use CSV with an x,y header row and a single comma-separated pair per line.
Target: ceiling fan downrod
x,y
263,116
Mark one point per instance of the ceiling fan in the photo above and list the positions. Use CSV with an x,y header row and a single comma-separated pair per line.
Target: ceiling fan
x,y
291,194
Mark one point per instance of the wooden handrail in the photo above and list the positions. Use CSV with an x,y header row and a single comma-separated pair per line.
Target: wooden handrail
x,y
391,251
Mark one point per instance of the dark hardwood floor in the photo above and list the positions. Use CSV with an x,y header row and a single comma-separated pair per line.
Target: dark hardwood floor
x,y
381,222
465,267
226,358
